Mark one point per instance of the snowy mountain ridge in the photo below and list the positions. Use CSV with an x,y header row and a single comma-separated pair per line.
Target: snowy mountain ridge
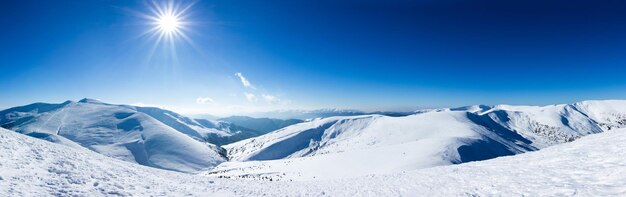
x,y
123,132
118,131
360,145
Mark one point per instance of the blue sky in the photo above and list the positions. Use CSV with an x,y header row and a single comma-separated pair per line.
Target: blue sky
x,y
368,55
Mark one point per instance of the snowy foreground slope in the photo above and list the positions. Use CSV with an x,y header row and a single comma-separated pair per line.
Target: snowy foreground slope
x,y
591,166
354,146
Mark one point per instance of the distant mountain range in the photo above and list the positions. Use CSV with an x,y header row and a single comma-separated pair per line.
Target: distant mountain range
x,y
263,125
309,114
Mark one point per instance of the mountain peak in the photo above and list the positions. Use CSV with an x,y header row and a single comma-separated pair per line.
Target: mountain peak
x,y
89,100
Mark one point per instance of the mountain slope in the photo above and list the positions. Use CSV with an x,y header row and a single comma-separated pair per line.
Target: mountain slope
x,y
591,166
214,132
608,114
32,167
183,124
117,131
543,125
372,143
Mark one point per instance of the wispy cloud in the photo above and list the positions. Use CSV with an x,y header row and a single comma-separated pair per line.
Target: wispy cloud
x,y
244,81
255,95
250,97
270,99
204,100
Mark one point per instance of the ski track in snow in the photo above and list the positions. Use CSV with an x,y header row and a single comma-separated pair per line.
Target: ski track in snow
x,y
591,166
62,120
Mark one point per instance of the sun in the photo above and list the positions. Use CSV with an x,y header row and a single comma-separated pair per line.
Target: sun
x,y
168,23
168,19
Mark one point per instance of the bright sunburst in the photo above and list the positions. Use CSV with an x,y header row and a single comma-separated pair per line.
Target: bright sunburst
x,y
168,23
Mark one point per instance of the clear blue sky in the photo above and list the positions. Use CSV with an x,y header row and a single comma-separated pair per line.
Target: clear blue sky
x,y
369,55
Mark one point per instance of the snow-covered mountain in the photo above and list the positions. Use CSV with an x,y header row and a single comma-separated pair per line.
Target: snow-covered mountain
x,y
213,131
146,136
591,166
340,146
358,145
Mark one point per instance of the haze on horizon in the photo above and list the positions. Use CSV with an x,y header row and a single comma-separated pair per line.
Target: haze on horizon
x,y
225,57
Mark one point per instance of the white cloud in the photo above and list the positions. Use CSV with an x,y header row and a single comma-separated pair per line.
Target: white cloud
x,y
250,97
204,100
270,99
244,81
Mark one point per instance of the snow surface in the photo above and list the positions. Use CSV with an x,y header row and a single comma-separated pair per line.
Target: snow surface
x,y
116,131
591,166
184,124
365,154
609,114
354,146
372,144
212,131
